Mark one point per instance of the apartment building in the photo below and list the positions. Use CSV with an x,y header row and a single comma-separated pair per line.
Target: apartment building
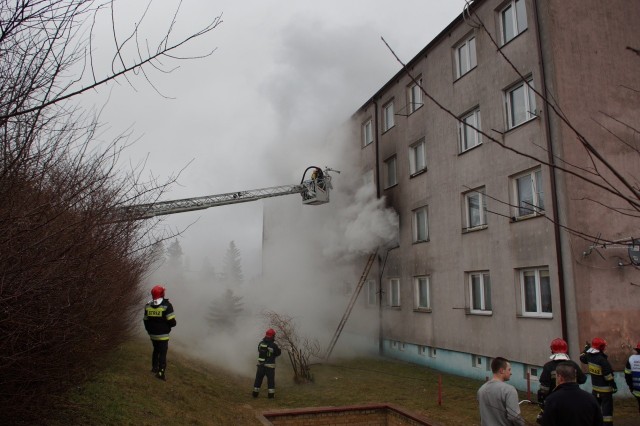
x,y
498,252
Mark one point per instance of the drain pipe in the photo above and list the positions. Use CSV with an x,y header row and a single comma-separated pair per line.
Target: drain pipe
x,y
380,262
554,190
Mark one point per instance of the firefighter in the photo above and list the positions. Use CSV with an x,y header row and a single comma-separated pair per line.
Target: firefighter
x,y
268,350
602,382
632,374
559,350
158,320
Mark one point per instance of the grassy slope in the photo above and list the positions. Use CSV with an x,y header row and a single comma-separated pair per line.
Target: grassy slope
x,y
126,393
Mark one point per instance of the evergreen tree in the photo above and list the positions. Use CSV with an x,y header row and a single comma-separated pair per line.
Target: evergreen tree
x,y
232,268
225,311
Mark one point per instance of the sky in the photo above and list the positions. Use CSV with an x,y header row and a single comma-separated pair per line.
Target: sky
x,y
272,99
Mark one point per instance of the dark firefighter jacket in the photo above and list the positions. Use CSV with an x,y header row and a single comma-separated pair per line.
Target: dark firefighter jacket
x,y
548,377
601,372
268,350
568,405
159,319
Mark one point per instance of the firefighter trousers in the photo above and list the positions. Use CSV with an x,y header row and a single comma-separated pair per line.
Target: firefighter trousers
x,y
262,371
159,355
605,399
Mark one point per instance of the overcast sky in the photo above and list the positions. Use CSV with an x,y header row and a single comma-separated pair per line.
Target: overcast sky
x,y
257,111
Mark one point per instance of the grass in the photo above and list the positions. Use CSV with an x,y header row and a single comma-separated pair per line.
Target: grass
x,y
196,393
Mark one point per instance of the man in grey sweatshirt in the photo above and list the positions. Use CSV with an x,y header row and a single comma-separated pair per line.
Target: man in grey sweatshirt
x,y
499,400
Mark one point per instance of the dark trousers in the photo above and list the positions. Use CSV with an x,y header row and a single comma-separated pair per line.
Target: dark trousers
x,y
159,355
605,399
271,378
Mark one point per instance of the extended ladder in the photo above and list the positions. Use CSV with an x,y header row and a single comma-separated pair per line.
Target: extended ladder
x,y
351,304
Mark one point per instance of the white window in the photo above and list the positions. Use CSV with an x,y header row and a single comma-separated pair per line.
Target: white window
x,y
372,296
394,292
422,350
422,293
387,116
420,225
466,56
475,209
432,352
480,292
513,20
414,96
394,344
533,372
391,172
402,346
468,135
536,292
367,133
476,361
529,193
417,157
521,103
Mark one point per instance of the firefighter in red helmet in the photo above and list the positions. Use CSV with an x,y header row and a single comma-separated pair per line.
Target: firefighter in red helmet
x,y
158,320
632,374
559,353
602,382
268,350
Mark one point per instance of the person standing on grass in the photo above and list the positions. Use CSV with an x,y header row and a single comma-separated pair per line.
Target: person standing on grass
x,y
499,400
268,350
567,404
158,320
632,374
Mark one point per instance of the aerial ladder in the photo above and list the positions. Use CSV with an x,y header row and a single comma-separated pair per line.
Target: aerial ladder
x,y
314,190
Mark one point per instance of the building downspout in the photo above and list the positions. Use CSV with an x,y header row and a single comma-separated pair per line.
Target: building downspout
x,y
380,264
552,175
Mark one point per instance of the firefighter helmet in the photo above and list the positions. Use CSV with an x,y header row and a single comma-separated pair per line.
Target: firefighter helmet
x,y
638,346
270,333
559,346
157,292
598,343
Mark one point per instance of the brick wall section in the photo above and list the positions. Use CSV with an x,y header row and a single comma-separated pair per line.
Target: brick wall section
x,y
357,415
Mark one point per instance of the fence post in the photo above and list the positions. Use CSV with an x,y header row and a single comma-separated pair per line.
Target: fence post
x,y
439,389
529,386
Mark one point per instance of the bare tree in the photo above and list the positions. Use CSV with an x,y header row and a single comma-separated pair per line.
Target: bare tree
x,y
71,265
300,350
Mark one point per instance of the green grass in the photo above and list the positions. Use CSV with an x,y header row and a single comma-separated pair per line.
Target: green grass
x,y
196,393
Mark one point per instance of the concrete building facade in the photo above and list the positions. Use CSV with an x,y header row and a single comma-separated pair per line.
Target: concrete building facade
x,y
511,232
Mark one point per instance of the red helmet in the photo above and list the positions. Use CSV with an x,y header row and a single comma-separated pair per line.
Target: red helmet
x,y
157,292
598,343
559,346
270,333
638,346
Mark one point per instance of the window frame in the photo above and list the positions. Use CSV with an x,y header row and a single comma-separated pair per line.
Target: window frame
x,y
372,292
529,102
462,126
482,210
387,181
413,157
485,287
418,293
388,116
367,132
518,7
414,225
537,206
394,289
471,60
414,96
538,313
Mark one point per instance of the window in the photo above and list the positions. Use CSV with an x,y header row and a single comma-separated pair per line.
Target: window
x,y
367,133
475,209
513,20
423,299
422,350
420,225
533,372
480,292
466,56
414,96
417,157
521,103
394,344
394,292
476,361
536,292
387,116
432,352
372,296
469,137
529,193
390,168
402,346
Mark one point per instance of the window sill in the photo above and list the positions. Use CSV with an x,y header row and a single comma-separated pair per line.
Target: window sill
x,y
415,110
474,229
422,310
388,130
479,313
421,241
395,308
418,173
513,38
526,217
364,146
391,186
466,73
535,316
470,149
517,126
